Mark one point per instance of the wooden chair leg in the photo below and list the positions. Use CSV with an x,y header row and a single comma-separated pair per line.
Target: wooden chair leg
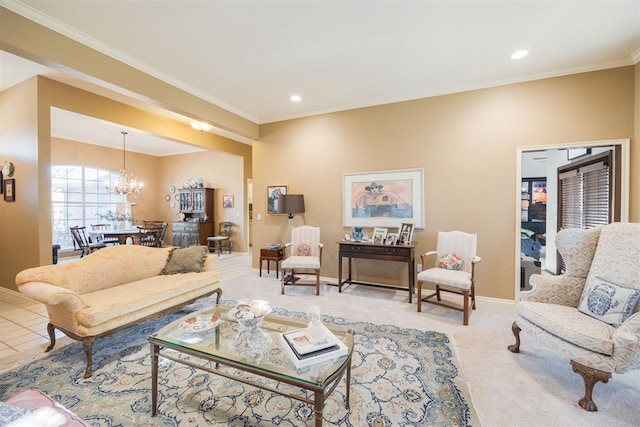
x,y
284,274
515,348
317,282
438,293
419,297
465,311
590,376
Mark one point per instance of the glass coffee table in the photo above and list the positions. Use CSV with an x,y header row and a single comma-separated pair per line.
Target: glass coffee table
x,y
211,341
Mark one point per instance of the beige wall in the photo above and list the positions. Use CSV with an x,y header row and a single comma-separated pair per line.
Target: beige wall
x,y
466,144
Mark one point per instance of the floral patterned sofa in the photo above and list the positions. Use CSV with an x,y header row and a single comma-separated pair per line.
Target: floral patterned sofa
x,y
31,408
117,287
591,312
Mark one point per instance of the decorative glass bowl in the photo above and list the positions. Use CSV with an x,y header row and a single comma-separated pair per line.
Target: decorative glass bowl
x,y
250,315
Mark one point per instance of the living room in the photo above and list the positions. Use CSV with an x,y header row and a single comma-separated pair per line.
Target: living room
x,y
466,143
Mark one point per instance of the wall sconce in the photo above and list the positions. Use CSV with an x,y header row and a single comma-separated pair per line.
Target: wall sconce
x,y
201,126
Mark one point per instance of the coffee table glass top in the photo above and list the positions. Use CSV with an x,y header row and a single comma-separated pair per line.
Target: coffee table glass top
x,y
212,335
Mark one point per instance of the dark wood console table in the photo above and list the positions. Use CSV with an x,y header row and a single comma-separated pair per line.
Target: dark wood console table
x,y
399,253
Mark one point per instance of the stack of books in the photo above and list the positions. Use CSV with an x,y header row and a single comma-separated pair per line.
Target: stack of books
x,y
303,352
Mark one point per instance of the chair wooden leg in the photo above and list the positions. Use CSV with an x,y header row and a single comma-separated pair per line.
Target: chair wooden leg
x,y
515,348
473,297
284,274
465,311
590,376
438,293
419,297
317,282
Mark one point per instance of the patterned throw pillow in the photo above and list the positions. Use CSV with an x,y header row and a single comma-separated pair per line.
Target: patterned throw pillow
x,y
609,302
187,260
303,249
450,262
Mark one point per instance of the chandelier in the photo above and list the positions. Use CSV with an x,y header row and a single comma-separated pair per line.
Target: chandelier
x,y
126,183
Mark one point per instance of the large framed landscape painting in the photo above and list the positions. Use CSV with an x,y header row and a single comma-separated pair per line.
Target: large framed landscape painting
x,y
384,198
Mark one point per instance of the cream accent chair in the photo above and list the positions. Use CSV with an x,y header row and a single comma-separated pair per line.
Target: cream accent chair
x,y
461,281
550,311
305,257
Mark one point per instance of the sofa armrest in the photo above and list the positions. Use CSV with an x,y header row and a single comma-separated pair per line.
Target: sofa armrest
x,y
561,290
51,295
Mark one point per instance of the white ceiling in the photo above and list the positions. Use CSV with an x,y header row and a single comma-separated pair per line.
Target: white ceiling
x,y
250,56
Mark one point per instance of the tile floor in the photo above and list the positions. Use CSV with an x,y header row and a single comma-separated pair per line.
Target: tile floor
x,y
23,322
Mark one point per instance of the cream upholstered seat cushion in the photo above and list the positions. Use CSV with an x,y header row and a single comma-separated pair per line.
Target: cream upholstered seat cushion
x,y
453,278
295,262
570,325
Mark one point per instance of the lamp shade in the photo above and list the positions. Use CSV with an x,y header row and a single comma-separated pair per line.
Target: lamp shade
x,y
291,204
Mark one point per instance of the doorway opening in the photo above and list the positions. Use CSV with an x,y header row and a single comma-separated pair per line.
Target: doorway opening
x,y
536,169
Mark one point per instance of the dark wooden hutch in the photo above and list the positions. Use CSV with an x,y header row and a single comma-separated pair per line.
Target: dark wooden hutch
x,y
196,204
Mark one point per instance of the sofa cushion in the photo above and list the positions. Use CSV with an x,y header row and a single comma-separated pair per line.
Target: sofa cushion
x,y
120,301
570,324
40,405
10,413
187,260
608,301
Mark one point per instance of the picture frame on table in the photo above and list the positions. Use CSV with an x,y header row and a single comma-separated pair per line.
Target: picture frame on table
x,y
273,192
405,233
10,190
227,201
383,198
379,235
391,239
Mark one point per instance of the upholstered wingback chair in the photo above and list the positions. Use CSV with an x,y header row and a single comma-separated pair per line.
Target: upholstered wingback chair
x,y
589,313
304,257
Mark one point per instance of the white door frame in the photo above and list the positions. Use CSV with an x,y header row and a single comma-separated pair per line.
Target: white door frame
x,y
624,187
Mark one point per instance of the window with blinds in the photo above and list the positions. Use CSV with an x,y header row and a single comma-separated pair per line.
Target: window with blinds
x,y
585,194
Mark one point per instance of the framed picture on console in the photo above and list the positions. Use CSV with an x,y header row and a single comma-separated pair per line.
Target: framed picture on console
x,y
383,198
379,235
392,238
405,233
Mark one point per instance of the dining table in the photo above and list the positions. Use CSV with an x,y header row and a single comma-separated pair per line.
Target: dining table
x,y
121,234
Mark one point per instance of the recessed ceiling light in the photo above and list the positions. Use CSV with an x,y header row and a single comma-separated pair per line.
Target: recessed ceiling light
x,y
519,54
295,98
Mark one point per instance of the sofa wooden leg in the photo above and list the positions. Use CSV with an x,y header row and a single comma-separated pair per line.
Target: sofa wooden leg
x,y
590,376
515,348
87,344
218,293
52,336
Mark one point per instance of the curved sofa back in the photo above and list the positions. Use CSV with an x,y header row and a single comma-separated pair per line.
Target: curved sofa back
x,y
108,267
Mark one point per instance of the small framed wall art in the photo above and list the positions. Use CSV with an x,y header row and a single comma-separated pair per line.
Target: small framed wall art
x,y
10,190
273,192
405,233
227,201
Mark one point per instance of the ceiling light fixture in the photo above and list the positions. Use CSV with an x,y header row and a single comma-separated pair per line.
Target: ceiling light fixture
x,y
201,126
519,54
126,183
296,98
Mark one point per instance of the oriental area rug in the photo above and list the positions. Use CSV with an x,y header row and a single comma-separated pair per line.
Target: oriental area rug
x,y
399,377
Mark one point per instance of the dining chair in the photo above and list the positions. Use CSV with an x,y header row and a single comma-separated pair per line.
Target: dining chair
x,y
151,236
81,242
157,224
100,236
